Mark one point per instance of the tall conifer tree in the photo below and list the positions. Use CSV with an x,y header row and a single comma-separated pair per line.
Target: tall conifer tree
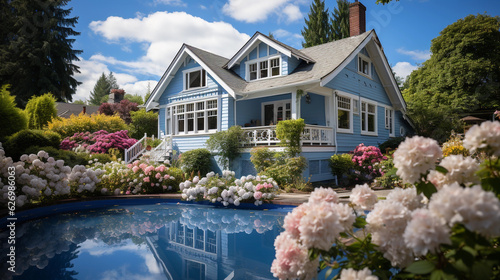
x,y
102,88
340,21
317,28
36,49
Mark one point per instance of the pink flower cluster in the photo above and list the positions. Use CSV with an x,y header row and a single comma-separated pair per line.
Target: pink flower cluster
x,y
151,178
264,186
98,142
367,157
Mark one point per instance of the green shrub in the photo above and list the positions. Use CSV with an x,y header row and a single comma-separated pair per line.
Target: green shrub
x,y
70,158
13,119
178,174
83,123
342,167
101,158
197,160
391,144
226,144
143,122
289,132
40,110
18,143
286,171
262,158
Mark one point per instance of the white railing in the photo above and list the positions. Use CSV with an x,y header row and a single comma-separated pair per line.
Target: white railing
x,y
135,150
162,150
266,135
317,135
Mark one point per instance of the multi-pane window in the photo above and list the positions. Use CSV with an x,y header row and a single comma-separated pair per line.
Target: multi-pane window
x,y
364,65
196,117
368,117
195,79
344,114
264,69
389,120
273,112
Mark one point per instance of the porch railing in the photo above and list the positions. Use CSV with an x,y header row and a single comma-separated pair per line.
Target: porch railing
x,y
160,152
266,136
136,150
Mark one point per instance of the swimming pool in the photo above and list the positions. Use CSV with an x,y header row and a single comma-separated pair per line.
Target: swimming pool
x,y
145,239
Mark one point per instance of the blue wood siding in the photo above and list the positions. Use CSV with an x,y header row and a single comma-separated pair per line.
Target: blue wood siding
x,y
252,54
188,143
293,62
227,112
350,81
262,50
247,110
313,113
272,51
161,122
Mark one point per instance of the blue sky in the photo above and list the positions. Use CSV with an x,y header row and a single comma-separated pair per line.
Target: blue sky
x,y
137,39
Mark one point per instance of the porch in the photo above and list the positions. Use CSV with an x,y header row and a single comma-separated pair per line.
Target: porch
x,y
313,135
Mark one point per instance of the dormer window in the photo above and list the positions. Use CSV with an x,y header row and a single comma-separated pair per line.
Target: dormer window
x,y
364,65
263,68
195,79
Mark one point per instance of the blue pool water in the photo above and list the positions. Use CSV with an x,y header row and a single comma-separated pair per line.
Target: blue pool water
x,y
152,241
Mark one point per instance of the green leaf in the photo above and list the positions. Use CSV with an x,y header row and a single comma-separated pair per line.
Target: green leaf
x,y
421,267
491,184
441,169
437,275
426,188
360,222
481,270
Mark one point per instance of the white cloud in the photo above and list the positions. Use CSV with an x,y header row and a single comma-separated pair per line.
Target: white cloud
x,y
257,10
159,40
293,13
403,69
293,39
416,55
170,2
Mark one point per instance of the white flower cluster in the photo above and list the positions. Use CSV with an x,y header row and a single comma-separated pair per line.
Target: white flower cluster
x,y
228,190
351,274
415,156
460,169
40,176
315,224
363,197
85,179
485,137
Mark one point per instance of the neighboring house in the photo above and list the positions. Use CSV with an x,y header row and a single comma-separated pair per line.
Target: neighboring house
x,y
65,110
344,90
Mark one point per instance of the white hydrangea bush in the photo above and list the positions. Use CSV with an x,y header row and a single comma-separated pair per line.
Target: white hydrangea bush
x,y
227,190
449,219
40,177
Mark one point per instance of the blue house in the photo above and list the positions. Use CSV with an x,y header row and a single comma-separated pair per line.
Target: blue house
x,y
344,90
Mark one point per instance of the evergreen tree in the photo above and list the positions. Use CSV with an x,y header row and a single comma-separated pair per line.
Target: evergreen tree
x,y
340,21
102,88
317,28
13,119
40,110
36,49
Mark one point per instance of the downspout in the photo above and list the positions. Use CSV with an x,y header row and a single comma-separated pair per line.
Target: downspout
x,y
334,127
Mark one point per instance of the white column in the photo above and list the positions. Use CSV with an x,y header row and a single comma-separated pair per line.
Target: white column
x,y
295,105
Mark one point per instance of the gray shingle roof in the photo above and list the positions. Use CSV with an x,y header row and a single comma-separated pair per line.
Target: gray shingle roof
x,y
65,110
327,57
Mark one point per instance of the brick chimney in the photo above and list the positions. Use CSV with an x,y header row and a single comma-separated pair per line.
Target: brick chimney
x,y
357,18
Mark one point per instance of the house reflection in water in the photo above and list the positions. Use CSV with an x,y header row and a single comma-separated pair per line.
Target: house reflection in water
x,y
188,252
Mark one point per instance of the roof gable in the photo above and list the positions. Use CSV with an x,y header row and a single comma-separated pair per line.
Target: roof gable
x,y
212,63
256,39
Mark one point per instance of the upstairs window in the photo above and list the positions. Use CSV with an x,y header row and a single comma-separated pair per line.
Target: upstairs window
x,y
364,65
264,68
195,79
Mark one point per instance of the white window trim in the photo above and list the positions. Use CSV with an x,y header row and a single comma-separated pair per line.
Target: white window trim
x,y
365,58
257,61
351,97
387,123
194,69
374,103
275,103
173,118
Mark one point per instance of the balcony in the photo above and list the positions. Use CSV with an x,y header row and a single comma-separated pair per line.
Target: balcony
x,y
314,135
